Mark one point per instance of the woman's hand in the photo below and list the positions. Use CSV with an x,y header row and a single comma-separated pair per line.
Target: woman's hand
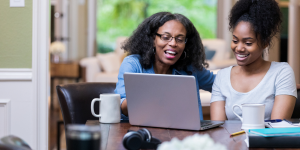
x,y
283,107
298,86
124,107
217,111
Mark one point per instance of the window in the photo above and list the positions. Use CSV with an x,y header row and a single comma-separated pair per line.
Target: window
x,y
121,17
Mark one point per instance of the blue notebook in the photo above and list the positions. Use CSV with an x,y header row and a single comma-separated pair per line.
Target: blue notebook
x,y
272,132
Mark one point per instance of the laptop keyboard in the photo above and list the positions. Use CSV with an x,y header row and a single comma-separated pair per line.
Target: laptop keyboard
x,y
206,124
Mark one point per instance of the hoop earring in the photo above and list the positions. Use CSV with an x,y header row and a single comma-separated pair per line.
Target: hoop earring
x,y
184,55
153,51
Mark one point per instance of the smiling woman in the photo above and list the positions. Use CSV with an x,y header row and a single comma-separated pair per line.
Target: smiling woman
x,y
165,43
168,51
245,43
253,24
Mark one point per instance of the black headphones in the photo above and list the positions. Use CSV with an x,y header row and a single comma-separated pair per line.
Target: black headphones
x,y
141,139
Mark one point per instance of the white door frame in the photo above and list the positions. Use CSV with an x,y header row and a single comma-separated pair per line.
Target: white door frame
x,y
40,69
65,27
92,28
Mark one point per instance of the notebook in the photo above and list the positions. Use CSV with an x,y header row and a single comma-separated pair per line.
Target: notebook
x,y
257,141
167,101
273,132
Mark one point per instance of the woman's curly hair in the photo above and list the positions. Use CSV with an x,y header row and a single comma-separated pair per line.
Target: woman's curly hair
x,y
263,15
142,39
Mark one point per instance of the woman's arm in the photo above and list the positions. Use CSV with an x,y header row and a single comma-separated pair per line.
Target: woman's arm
x,y
283,107
205,79
217,111
285,93
217,105
124,108
129,64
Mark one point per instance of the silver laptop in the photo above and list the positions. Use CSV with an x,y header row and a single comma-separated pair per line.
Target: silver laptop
x,y
166,101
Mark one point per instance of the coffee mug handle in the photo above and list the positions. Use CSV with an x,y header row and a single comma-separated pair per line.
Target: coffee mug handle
x,y
236,105
92,107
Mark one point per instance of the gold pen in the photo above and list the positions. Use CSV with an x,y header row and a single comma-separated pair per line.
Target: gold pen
x,y
237,133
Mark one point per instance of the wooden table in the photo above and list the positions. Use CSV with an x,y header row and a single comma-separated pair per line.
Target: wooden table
x,y
65,70
112,135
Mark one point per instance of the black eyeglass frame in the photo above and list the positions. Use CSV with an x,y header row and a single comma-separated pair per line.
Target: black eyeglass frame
x,y
171,38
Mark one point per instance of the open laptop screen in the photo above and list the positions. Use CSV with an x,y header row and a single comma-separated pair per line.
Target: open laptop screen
x,y
168,101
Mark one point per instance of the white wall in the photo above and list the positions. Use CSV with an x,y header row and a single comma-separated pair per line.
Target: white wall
x,y
24,92
17,115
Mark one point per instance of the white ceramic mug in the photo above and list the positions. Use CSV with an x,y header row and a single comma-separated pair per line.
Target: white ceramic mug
x,y
253,115
109,108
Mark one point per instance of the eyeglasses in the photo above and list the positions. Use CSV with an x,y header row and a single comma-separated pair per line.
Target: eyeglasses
x,y
169,38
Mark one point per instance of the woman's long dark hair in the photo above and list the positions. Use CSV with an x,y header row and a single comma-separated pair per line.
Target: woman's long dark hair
x,y
141,42
263,15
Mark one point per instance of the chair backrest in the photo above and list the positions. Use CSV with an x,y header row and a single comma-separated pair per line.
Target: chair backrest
x,y
13,143
296,112
75,100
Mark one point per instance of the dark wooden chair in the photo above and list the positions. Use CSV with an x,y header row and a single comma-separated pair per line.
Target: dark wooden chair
x,y
296,112
75,101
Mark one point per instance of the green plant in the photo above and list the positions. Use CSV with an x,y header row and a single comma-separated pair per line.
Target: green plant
x,y
104,48
121,17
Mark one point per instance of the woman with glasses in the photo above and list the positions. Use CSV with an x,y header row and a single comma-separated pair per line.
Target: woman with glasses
x,y
165,43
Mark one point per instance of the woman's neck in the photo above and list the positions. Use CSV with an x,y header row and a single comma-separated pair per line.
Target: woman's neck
x,y
162,69
255,67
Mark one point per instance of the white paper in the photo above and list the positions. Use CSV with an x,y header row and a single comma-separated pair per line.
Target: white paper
x,y
282,124
247,139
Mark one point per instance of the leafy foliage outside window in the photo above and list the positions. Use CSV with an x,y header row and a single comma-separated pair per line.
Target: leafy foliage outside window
x,y
117,18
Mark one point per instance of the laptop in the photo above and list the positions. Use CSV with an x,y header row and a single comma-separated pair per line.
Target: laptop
x,y
165,101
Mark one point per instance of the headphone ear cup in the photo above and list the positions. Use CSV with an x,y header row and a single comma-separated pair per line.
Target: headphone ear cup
x,y
146,134
132,140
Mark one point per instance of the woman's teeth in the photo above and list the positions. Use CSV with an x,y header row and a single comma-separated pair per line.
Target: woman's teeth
x,y
171,52
239,55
